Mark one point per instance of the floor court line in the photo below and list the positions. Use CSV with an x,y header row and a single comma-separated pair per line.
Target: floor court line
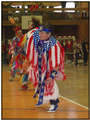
x,y
73,102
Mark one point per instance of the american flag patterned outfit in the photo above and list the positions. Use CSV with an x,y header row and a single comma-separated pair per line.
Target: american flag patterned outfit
x,y
40,68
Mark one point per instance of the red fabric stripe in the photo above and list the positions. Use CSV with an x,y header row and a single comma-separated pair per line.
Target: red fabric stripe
x,y
49,88
50,60
43,63
35,84
29,46
34,30
60,53
56,63
62,60
33,55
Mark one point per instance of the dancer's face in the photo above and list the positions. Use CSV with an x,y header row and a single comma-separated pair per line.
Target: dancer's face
x,y
44,35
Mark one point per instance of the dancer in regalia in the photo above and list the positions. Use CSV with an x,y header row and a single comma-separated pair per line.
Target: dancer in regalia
x,y
33,26
16,51
46,65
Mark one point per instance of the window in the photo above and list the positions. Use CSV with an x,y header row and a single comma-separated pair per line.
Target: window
x,y
70,5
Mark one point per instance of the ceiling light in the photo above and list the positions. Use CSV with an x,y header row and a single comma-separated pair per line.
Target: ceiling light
x,y
58,6
26,7
57,11
17,11
47,7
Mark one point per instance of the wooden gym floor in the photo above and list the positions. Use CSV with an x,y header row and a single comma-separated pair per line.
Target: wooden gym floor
x,y
73,101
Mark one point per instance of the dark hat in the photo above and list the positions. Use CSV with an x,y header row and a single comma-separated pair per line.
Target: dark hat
x,y
44,28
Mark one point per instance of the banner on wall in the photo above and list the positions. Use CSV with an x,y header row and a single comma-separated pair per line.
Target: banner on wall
x,y
27,19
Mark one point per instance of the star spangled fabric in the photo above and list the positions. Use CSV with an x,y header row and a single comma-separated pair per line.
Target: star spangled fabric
x,y
46,44
55,61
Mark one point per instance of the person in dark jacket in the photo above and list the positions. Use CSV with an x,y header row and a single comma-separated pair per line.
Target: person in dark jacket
x,y
85,52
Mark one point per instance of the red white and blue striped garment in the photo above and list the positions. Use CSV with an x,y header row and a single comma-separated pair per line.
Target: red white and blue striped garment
x,y
55,60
